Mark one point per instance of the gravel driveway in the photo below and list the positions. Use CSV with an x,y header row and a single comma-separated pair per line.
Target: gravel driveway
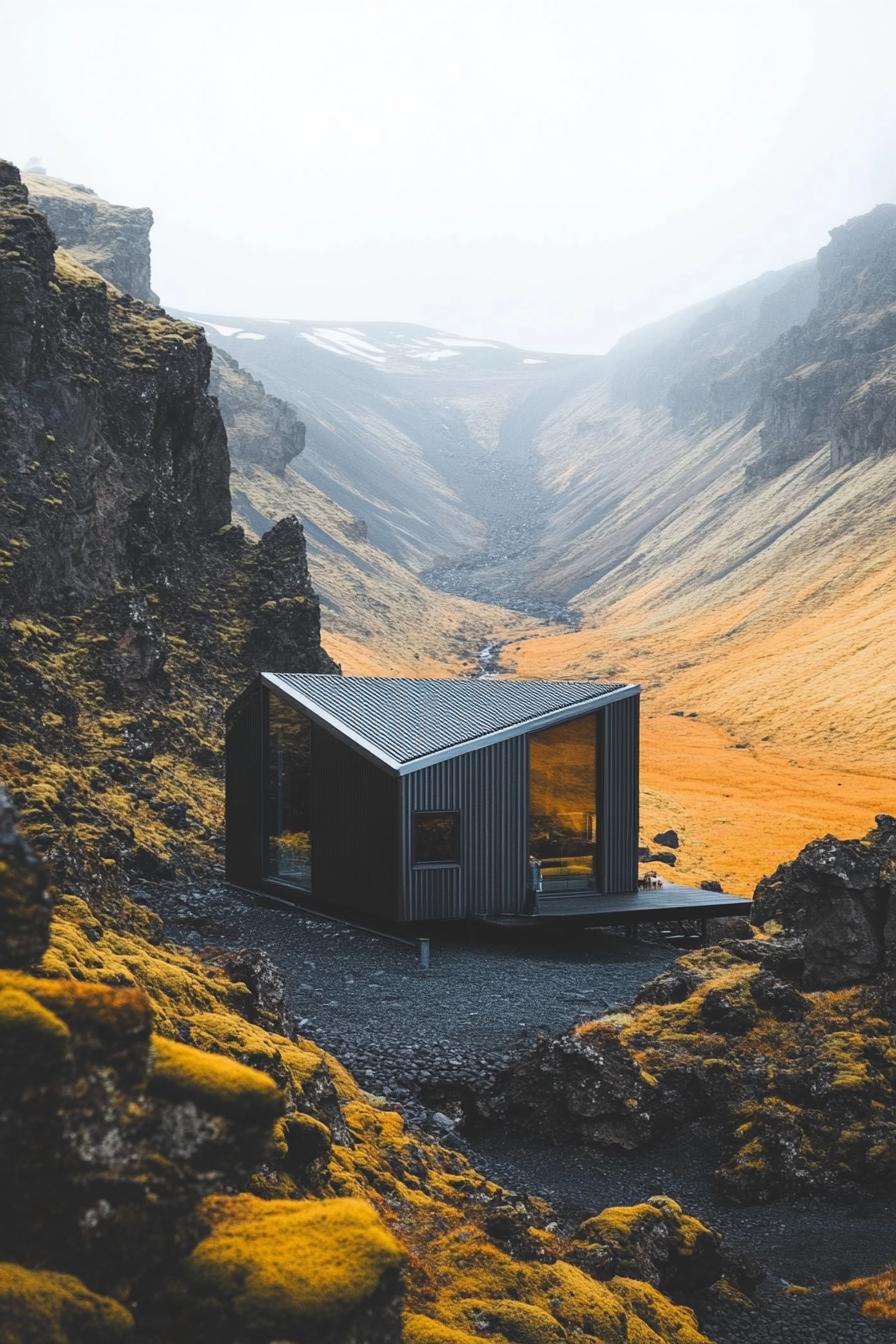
x,y
399,1027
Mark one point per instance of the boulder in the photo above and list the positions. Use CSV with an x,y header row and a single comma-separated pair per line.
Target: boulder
x,y
668,838
656,1242
836,894
728,926
586,1085
844,939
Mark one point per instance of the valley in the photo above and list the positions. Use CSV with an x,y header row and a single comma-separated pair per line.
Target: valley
x,y
708,510
635,517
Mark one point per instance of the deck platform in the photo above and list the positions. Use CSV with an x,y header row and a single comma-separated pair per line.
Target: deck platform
x,y
670,902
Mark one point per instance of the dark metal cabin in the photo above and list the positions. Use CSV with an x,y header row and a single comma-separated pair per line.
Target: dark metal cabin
x,y
410,799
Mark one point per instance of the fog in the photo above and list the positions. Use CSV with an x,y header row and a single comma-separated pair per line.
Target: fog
x,y
551,174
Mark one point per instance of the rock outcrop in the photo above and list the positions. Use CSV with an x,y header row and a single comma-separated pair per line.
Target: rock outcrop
x,y
123,639
840,895
112,240
785,1042
832,380
261,430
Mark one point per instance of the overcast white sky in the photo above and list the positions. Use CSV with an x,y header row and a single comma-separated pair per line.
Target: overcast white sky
x,y
549,172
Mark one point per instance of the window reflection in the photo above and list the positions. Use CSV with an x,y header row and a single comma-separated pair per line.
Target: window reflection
x,y
288,795
563,807
436,837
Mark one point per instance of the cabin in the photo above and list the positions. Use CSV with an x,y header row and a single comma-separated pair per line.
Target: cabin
x,y
417,800
411,800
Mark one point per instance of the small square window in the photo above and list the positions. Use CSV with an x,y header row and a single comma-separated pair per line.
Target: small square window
x,y
436,837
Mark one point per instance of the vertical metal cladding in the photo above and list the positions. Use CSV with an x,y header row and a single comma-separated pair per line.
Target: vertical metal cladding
x,y
244,788
488,788
354,830
620,795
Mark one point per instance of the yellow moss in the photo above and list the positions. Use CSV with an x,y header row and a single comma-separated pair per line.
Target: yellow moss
x,y
616,1225
301,1137
32,629
214,1082
26,1025
424,1330
878,1294
517,1321
672,1323
281,1265
40,1307
102,1008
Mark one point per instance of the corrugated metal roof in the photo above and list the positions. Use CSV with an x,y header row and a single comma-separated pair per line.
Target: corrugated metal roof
x,y
406,721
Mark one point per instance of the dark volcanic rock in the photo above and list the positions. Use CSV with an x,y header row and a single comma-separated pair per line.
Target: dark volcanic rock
x,y
836,893
286,633
25,903
667,838
584,1086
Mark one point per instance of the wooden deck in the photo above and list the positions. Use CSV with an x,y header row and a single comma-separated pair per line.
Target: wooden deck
x,y
670,902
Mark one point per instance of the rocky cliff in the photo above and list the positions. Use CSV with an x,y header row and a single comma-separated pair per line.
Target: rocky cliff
x,y
262,430
130,608
112,240
832,380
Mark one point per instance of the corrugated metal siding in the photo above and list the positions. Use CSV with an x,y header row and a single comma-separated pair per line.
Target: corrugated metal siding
x,y
409,717
244,789
354,829
488,788
619,854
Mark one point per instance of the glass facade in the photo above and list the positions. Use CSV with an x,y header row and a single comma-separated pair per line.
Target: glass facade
x,y
288,794
563,807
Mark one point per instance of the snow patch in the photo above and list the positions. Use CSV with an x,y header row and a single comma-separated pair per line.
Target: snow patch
x,y
464,343
221,330
340,342
432,354
535,361
249,336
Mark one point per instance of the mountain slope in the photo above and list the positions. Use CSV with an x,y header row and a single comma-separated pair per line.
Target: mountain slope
x,y
403,422
743,566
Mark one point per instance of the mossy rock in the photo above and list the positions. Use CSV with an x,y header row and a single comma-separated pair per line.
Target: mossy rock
x,y
41,1307
669,1322
291,1268
518,1322
31,1037
301,1139
215,1083
424,1330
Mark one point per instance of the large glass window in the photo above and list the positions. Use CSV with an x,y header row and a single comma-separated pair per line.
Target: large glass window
x,y
436,837
563,785
288,794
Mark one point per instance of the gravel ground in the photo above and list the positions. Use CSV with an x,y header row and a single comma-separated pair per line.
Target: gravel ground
x,y
407,1032
809,1244
400,1028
